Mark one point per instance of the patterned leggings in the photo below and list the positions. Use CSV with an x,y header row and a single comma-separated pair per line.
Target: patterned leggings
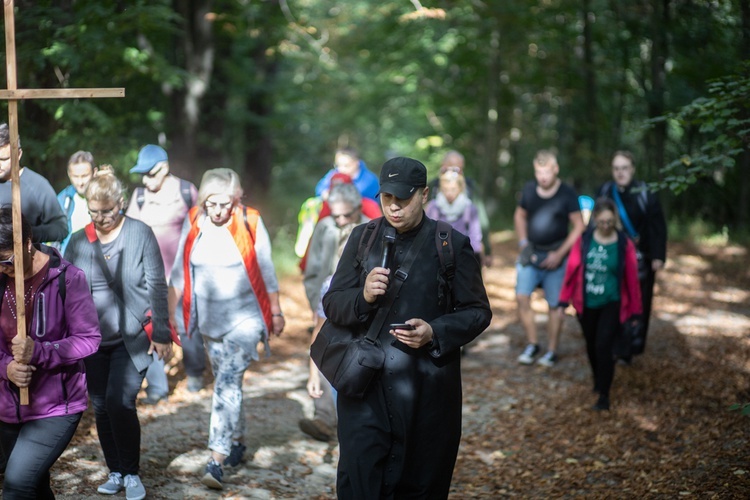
x,y
230,357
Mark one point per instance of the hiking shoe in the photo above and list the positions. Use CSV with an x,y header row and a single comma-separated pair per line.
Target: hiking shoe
x,y
316,429
548,359
528,354
236,455
213,475
134,489
602,404
194,384
153,400
113,486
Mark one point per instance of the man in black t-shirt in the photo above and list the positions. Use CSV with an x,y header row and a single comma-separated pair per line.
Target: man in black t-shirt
x,y
546,210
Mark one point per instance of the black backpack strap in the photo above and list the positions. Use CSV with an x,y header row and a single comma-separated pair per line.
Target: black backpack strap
x,y
367,240
140,197
444,244
61,284
187,195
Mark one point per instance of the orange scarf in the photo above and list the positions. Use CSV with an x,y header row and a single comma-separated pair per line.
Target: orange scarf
x,y
242,228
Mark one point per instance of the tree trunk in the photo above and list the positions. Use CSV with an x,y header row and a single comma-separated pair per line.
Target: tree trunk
x,y
198,48
660,25
589,77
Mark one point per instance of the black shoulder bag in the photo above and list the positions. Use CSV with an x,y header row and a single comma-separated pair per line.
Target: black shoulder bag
x,y
351,362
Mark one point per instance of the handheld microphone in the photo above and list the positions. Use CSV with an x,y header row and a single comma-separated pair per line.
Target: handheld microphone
x,y
389,238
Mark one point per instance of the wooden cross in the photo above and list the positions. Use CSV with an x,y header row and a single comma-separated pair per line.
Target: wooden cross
x,y
13,94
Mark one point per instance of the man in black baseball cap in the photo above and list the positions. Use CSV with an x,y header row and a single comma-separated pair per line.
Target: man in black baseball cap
x,y
400,179
388,437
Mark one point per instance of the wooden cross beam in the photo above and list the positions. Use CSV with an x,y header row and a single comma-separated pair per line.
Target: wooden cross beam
x,y
13,94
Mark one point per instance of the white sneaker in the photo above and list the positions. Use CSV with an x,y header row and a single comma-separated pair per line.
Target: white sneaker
x,y
113,486
548,359
528,354
134,489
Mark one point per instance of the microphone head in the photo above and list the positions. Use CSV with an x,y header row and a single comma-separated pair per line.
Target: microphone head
x,y
389,235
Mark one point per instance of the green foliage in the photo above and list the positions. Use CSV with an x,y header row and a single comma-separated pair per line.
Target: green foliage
x,y
743,408
291,81
722,120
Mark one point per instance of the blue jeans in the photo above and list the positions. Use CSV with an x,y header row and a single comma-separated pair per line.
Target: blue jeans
x,y
114,382
551,280
32,448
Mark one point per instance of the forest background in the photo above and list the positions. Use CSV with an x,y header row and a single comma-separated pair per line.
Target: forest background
x,y
272,88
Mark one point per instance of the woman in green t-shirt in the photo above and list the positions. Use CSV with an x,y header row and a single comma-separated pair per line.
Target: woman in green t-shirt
x,y
601,281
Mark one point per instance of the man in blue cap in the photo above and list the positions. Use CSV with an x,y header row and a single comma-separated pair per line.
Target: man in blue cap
x,y
163,204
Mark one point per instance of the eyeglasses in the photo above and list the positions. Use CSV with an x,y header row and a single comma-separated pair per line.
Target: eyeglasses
x,y
103,213
8,262
605,222
346,216
209,205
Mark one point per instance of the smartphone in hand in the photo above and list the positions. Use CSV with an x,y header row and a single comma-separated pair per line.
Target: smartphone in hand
x,y
401,326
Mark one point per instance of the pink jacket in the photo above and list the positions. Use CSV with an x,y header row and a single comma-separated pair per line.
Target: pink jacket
x,y
630,290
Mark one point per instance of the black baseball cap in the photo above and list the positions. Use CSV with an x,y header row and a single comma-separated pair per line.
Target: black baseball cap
x,y
402,176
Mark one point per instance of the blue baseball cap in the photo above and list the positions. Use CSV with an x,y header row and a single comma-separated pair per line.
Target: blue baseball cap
x,y
148,157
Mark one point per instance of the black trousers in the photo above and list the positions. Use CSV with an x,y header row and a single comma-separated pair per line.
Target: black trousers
x,y
32,448
601,326
647,298
114,382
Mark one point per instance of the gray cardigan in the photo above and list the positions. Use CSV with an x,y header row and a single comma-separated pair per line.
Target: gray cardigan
x,y
141,275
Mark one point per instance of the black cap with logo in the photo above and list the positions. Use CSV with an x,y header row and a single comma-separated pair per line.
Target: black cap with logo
x,y
402,176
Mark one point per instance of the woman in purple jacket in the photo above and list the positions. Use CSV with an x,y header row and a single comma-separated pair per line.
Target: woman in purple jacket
x,y
62,329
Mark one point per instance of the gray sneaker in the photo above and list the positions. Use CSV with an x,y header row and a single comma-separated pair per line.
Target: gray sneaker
x,y
548,359
528,354
113,486
134,489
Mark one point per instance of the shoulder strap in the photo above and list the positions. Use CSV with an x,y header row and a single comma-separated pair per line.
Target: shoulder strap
x,y
140,197
90,231
367,240
643,196
623,213
61,284
444,244
398,279
187,195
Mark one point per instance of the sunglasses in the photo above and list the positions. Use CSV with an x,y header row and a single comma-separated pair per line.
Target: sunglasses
x,y
8,262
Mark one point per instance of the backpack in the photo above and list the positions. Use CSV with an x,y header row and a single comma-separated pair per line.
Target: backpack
x,y
187,195
444,244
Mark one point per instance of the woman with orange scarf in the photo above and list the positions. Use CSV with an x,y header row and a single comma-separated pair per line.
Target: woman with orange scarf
x,y
224,275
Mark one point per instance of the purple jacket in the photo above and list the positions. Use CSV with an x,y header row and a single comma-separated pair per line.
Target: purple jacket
x,y
65,334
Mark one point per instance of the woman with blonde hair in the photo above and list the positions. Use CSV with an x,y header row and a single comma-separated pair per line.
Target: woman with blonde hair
x,y
224,275
121,259
452,205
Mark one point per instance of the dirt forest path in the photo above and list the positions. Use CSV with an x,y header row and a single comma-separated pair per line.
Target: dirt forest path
x,y
528,432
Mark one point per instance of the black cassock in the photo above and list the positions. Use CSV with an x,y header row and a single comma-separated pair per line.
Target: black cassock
x,y
402,439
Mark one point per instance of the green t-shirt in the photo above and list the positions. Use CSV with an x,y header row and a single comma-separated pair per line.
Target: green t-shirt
x,y
601,275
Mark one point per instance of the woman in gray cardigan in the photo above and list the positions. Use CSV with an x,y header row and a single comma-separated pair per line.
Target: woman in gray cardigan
x,y
125,273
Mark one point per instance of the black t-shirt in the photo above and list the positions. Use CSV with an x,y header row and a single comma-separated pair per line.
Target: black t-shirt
x,y
548,218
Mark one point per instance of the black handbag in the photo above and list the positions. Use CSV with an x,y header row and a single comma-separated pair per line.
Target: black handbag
x,y
350,363
349,360
630,340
